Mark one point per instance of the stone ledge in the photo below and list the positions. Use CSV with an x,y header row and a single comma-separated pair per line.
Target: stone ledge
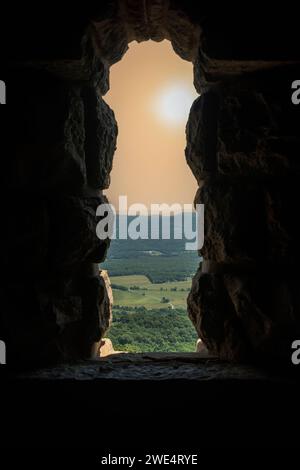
x,y
165,367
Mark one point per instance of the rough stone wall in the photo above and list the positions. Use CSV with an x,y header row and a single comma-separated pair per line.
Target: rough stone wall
x,y
60,136
243,146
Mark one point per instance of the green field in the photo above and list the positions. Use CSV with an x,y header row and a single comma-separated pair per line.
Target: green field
x,y
141,292
151,317
157,268
151,279
136,329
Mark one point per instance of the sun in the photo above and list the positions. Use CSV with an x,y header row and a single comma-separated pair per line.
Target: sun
x,y
172,103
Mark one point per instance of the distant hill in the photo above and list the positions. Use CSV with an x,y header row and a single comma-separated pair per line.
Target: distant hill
x,y
173,246
160,260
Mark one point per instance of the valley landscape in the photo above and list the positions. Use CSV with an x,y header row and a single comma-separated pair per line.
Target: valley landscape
x,y
151,280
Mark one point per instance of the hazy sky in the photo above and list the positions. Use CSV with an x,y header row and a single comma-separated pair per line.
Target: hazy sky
x,y
151,92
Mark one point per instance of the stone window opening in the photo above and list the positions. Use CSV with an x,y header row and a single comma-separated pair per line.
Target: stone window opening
x,y
242,139
151,143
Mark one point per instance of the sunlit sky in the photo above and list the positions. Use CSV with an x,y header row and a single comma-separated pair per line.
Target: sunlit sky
x,y
151,92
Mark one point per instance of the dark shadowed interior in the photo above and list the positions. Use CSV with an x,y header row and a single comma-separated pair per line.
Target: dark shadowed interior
x,y
243,145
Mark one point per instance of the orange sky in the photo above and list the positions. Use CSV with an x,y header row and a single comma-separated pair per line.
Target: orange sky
x,y
151,91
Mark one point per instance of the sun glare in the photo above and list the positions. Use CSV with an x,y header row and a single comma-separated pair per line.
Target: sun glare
x,y
173,103
151,93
